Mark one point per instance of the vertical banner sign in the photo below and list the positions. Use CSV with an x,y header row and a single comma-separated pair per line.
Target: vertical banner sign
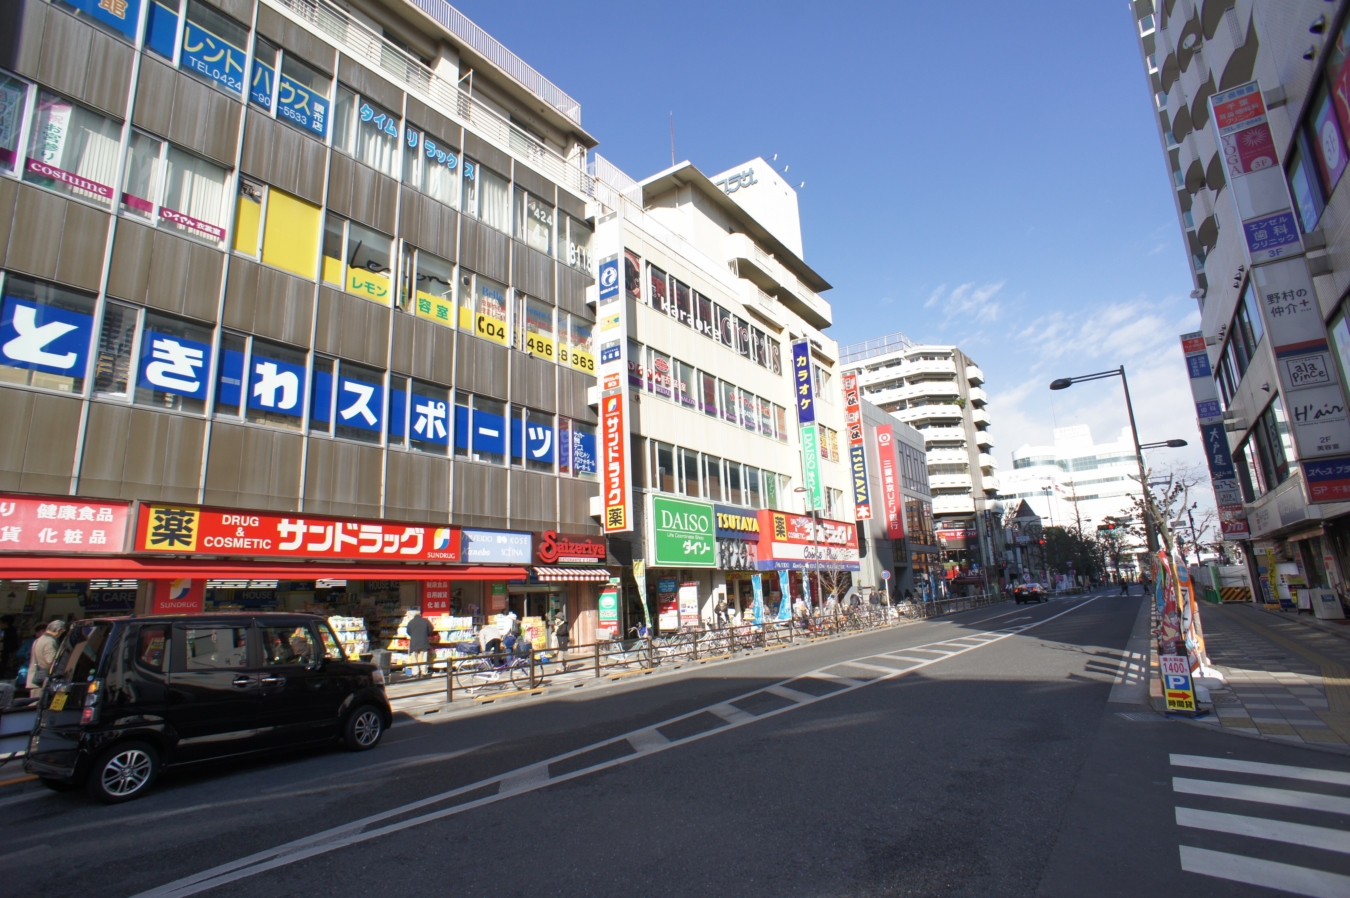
x,y
1222,474
815,491
435,597
804,388
890,483
757,581
611,333
1176,672
1313,398
640,575
608,608
857,456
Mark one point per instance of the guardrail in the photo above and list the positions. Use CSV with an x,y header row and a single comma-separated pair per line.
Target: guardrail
x,y
482,676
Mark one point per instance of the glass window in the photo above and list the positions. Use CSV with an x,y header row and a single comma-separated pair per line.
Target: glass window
x,y
72,150
742,329
369,265
684,383
684,308
584,457
660,299
579,237
321,396
275,391
749,416
462,401
359,405
759,351
1273,441
161,27
434,294
637,364
288,645
659,374
823,390
780,422
1249,472
708,394
534,222
517,436
632,275
150,647
1303,184
1326,138
398,411
539,340
489,427
175,364
334,249
540,441
663,466
734,492
365,131
431,166
689,471
494,200
753,497
217,648
703,315
429,430
45,335
248,218
194,195
769,482
470,187
140,186
112,364
13,96
730,403
489,321
302,96
291,236
262,85
725,332
583,354
213,47
230,375
765,410
712,476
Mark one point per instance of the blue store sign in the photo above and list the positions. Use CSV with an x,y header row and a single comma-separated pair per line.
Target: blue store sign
x,y
496,547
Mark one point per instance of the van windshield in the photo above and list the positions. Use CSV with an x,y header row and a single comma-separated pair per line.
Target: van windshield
x,y
77,661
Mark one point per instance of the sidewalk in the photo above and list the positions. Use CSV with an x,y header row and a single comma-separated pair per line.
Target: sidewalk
x,y
1286,681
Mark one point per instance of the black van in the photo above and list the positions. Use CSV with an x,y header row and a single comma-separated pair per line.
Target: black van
x,y
129,696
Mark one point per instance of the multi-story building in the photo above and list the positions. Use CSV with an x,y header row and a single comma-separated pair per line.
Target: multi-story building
x,y
912,558
715,293
318,268
938,391
1252,124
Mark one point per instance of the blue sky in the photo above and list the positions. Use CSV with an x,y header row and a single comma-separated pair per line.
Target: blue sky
x,y
992,180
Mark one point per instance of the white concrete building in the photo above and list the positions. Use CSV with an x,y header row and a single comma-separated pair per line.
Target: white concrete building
x,y
1075,482
937,390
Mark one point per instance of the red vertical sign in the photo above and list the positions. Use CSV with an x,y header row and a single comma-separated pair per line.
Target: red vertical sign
x,y
890,483
613,442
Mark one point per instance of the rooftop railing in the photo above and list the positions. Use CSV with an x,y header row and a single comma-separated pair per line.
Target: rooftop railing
x,y
857,352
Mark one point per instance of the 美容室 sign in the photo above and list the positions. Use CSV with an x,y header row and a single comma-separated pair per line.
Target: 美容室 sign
x,y
189,530
39,524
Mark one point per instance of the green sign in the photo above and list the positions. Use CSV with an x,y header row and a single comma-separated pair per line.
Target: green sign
x,y
811,466
683,533
609,604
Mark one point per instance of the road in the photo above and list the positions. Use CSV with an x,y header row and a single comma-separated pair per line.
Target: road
x,y
997,765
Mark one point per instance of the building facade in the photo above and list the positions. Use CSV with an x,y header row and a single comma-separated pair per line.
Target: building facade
x,y
909,553
715,305
1253,130
296,262
938,391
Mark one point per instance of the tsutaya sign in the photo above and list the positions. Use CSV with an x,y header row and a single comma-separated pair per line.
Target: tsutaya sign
x,y
1222,474
857,455
611,333
1310,389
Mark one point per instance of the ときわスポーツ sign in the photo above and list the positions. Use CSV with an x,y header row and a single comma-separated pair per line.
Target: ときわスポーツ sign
x,y
188,530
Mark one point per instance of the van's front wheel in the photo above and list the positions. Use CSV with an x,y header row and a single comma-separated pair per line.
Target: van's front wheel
x,y
364,728
123,772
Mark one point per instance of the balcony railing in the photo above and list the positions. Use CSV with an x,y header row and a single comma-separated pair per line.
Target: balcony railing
x,y
355,39
856,352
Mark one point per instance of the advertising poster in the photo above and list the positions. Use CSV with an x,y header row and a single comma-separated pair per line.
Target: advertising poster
x,y
36,524
857,455
608,613
785,602
815,488
668,604
689,616
1209,415
435,597
640,575
757,583
1177,688
892,501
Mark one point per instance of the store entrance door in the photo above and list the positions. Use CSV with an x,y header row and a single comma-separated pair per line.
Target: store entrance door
x,y
535,606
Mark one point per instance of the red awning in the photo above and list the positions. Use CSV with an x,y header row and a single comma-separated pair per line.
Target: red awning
x,y
571,575
37,567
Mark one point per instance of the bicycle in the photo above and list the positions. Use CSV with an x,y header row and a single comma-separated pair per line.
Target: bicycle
x,y
910,610
483,670
633,651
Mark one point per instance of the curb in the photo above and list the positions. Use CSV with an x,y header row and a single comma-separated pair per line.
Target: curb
x,y
1299,619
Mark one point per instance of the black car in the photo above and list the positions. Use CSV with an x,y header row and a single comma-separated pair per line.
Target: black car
x,y
130,696
1028,592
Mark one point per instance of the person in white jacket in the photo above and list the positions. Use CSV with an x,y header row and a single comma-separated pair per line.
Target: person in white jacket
x,y
44,653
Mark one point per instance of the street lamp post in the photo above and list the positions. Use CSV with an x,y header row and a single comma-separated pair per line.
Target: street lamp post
x,y
815,541
1064,383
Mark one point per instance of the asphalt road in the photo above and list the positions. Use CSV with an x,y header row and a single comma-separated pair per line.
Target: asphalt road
x,y
995,766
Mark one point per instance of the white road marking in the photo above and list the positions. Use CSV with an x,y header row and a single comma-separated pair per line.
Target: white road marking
x,y
1289,798
880,667
523,780
789,694
1271,875
647,740
731,714
1231,765
1262,828
903,658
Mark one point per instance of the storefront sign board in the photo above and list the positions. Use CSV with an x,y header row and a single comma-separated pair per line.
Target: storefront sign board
x,y
803,382
435,597
190,530
815,488
668,604
497,547
857,454
681,533
552,547
892,501
608,609
796,542
178,596
65,525
689,616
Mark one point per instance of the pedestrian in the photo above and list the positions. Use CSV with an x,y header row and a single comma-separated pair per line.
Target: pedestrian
x,y
562,632
1124,586
9,642
721,611
419,631
44,653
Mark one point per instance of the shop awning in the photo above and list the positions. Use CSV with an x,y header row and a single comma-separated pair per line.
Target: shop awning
x,y
571,575
37,567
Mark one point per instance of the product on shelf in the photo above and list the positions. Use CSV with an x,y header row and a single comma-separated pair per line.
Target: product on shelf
x,y
351,633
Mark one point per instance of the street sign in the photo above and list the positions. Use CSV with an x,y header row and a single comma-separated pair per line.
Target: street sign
x,y
885,575
1177,689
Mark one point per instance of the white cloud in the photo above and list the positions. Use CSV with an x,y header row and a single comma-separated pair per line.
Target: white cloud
x,y
967,301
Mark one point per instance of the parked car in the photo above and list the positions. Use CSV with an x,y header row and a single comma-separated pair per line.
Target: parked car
x,y
1028,592
128,697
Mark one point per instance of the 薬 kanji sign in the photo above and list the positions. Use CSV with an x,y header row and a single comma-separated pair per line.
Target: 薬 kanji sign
x,y
65,524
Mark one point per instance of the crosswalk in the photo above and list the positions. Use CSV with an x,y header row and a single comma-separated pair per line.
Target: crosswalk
x,y
1238,820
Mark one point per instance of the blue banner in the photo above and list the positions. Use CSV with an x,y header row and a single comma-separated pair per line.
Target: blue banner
x,y
276,386
540,444
585,459
213,58
161,29
398,409
301,105
784,606
230,387
122,15
430,419
489,433
360,404
260,89
1217,455
44,338
175,365
757,581
803,383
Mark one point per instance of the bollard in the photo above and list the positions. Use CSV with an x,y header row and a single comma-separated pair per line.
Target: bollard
x,y
597,659
532,683
449,680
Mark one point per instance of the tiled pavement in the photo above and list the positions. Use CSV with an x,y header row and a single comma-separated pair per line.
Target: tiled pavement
x,y
1286,681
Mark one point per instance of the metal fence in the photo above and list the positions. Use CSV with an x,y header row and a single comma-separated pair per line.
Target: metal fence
x,y
485,676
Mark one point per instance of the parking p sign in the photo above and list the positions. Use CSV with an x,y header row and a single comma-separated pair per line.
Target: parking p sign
x,y
1177,689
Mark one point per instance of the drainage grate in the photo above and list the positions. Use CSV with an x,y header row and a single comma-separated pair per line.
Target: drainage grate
x,y
1141,716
